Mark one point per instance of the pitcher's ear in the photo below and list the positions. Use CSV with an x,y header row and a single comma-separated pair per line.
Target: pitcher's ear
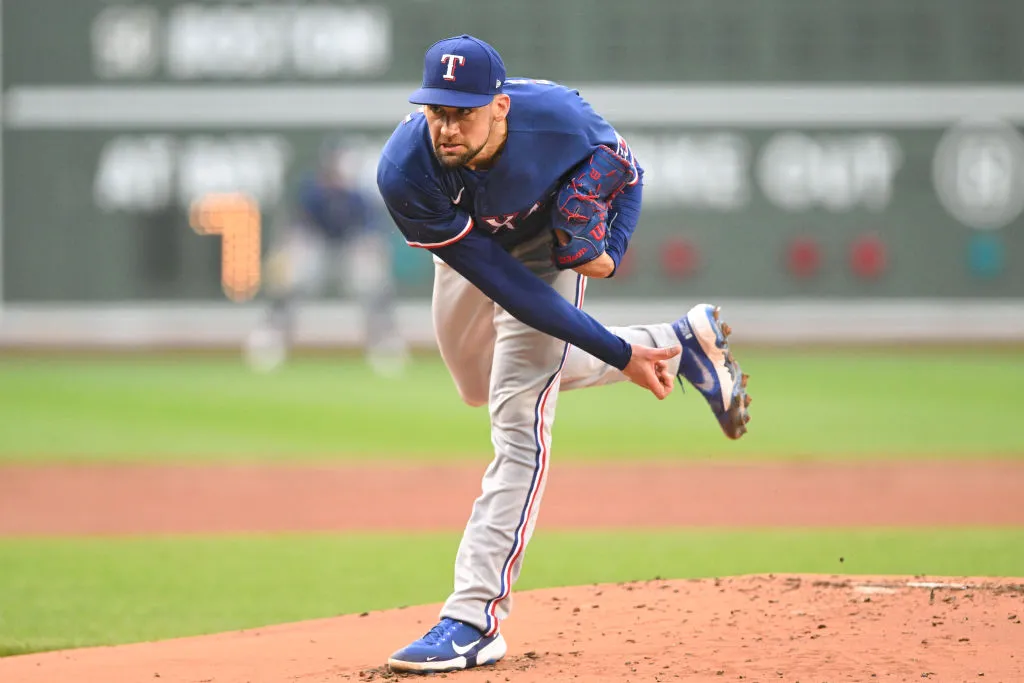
x,y
502,103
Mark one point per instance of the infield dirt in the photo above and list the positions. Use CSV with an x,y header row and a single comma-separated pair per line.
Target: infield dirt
x,y
749,628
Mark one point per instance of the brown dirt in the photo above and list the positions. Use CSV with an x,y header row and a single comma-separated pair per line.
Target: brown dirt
x,y
182,499
754,628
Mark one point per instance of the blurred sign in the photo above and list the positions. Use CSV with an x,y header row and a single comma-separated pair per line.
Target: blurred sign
x,y
738,197
231,41
979,173
120,115
795,171
698,41
146,173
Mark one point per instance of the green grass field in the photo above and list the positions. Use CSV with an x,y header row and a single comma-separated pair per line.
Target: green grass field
x,y
807,404
55,593
58,593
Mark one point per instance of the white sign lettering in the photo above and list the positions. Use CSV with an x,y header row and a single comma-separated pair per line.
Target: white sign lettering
x,y
242,41
798,172
135,174
148,173
124,41
705,171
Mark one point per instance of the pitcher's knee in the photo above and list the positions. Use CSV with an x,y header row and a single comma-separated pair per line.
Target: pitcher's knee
x,y
473,396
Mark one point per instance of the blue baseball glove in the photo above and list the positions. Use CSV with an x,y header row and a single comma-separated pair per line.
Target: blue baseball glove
x,y
580,213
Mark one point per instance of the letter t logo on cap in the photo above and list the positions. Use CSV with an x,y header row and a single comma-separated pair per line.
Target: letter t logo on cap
x,y
452,61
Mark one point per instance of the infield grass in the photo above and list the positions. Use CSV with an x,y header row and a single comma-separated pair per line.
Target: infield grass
x,y
60,593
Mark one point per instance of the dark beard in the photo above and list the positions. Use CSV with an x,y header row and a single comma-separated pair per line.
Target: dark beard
x,y
462,159
449,161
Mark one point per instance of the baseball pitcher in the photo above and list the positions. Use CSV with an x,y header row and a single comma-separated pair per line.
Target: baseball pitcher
x,y
522,191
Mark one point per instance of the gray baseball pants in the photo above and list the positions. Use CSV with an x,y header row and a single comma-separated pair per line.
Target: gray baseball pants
x,y
517,371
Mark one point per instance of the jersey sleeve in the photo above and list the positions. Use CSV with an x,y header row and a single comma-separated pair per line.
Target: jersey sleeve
x,y
623,218
425,216
510,284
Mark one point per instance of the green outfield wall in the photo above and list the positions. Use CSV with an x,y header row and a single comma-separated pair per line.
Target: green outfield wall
x,y
832,150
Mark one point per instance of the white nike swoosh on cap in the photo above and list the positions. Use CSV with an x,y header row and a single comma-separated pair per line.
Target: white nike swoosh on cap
x,y
463,649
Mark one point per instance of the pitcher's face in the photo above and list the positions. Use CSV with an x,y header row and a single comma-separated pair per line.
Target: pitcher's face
x,y
459,134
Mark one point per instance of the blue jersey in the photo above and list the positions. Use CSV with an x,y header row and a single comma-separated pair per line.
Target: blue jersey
x,y
471,219
337,212
551,130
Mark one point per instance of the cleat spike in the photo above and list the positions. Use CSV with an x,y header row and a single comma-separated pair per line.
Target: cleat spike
x,y
726,330
743,382
747,400
717,312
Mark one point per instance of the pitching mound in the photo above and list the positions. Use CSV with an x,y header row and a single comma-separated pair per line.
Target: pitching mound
x,y
752,628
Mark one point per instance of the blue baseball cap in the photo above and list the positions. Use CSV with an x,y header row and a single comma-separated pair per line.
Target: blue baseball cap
x,y
460,72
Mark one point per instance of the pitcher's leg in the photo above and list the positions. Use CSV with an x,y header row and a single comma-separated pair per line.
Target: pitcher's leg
x,y
583,370
464,327
524,390
706,361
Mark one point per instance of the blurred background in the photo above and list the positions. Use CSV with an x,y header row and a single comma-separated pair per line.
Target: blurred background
x,y
828,170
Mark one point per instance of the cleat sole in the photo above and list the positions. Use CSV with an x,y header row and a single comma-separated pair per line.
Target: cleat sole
x,y
729,399
734,420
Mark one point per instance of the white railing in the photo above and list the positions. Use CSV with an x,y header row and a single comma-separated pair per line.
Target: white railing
x,y
177,325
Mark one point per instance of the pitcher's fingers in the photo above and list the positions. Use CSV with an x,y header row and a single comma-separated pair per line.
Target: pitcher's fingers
x,y
668,351
664,375
659,388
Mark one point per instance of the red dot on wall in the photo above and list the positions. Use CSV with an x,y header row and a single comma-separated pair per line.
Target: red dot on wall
x,y
803,258
868,257
679,258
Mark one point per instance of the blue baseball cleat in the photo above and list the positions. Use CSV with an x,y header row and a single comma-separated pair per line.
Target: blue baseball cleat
x,y
450,646
708,364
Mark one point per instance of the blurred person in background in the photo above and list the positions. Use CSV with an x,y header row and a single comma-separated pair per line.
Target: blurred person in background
x,y
332,233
